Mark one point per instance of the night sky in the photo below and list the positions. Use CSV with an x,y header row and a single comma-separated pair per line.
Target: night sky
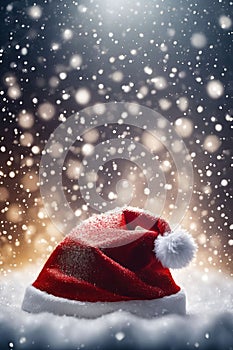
x,y
58,57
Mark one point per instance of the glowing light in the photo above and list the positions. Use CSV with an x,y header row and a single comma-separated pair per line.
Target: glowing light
x,y
120,336
55,46
177,146
4,194
171,32
24,51
76,61
78,212
202,238
87,149
54,82
82,96
198,40
35,150
12,174
63,75
35,12
151,142
218,127
67,34
56,150
160,82
164,104
91,136
46,111
25,119
165,165
224,182
143,91
82,8
225,22
30,181
215,89
74,169
112,195
182,103
14,213
41,214
26,139
14,92
10,80
163,47
65,96
211,143
184,127
117,76
200,109
148,70
133,52
146,191
122,57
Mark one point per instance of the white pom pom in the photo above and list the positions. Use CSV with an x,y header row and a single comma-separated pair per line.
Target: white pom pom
x,y
175,249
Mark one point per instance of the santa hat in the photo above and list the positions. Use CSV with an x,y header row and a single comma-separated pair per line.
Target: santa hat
x,y
105,264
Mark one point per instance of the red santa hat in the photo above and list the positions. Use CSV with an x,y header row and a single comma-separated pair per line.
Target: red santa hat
x,y
105,264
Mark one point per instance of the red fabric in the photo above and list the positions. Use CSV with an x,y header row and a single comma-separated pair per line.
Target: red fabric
x,y
77,271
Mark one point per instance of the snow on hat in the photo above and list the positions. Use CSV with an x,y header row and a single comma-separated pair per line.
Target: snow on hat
x,y
106,264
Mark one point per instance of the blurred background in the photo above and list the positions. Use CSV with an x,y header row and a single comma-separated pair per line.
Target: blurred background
x,y
58,57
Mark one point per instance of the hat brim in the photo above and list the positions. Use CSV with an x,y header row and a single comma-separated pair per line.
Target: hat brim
x,y
36,301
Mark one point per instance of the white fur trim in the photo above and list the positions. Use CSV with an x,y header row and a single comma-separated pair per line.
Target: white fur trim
x,y
36,301
175,249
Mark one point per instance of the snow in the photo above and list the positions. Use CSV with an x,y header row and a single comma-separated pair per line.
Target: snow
x,y
208,324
